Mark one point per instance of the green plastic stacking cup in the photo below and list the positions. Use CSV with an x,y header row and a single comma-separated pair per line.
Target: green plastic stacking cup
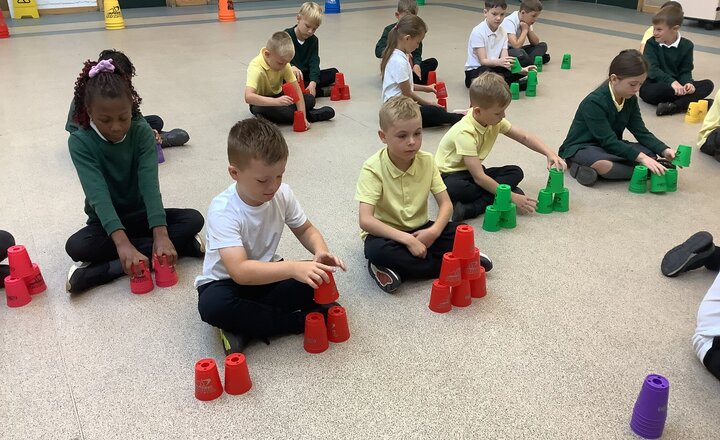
x,y
515,68
562,201
556,181
532,78
671,179
566,62
658,183
515,90
538,63
531,90
545,202
502,198
508,219
638,181
491,223
682,156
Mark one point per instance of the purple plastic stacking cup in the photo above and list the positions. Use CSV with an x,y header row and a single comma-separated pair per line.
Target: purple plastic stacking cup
x,y
161,156
650,412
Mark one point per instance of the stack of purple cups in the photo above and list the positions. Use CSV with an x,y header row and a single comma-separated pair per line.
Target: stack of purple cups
x,y
650,412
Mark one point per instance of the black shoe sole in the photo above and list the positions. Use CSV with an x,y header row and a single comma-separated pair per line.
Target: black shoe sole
x,y
585,176
695,249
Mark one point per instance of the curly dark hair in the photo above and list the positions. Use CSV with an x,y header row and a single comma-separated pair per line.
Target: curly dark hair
x,y
119,60
105,84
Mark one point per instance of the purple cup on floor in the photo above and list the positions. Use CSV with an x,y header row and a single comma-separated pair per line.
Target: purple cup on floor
x,y
650,412
161,156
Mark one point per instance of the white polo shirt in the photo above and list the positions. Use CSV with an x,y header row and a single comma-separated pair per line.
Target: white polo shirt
x,y
708,320
397,70
511,24
493,42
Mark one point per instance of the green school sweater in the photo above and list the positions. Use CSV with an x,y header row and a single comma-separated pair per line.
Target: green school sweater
x,y
598,122
382,42
668,64
72,126
307,57
120,180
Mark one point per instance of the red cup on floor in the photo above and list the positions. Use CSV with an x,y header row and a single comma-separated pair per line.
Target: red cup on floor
x,y
440,298
450,274
316,338
143,283
327,292
460,295
443,103
35,282
19,261
290,91
299,121
335,94
165,275
207,380
464,244
237,375
339,79
470,267
432,77
16,292
345,93
441,90
337,326
478,288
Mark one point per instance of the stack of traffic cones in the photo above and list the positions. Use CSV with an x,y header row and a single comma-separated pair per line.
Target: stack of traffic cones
x,y
462,277
25,278
555,197
502,213
340,90
226,10
207,377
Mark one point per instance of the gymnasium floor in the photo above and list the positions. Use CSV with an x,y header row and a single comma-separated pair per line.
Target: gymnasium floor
x,y
577,312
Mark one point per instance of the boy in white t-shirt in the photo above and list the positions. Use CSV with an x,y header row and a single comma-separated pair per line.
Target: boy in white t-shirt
x,y
519,27
488,48
243,290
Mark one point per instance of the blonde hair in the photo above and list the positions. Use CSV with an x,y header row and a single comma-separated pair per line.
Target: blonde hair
x,y
407,7
281,44
312,12
398,108
255,138
489,89
411,25
670,15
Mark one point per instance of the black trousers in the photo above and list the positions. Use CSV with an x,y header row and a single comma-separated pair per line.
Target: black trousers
x,y
507,75
6,241
396,256
426,66
327,78
282,115
526,55
712,144
434,116
92,244
462,187
257,311
712,358
155,122
656,92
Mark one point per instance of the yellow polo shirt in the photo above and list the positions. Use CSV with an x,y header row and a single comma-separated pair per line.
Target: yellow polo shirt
x,y
400,198
711,122
647,35
264,80
467,138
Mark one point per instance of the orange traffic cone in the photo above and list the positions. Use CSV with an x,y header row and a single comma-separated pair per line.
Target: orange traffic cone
x,y
226,10
4,32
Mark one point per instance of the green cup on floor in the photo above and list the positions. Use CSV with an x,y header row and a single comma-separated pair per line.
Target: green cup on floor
x,y
556,180
671,179
532,78
508,219
531,90
638,181
515,68
682,156
491,223
658,183
515,90
561,203
502,197
538,63
566,62
545,202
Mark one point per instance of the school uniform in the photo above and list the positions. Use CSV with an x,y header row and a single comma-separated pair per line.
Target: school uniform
x,y
709,135
307,59
494,43
426,66
527,53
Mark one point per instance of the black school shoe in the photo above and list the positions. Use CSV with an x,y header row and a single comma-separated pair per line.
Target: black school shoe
x,y
174,138
585,176
546,59
233,342
320,114
386,279
689,255
666,108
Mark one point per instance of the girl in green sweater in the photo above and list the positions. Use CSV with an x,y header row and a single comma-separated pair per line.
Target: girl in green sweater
x,y
594,145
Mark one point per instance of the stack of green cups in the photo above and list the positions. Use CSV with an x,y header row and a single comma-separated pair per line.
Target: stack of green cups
x,y
554,197
491,223
502,213
515,90
531,84
515,68
538,63
638,181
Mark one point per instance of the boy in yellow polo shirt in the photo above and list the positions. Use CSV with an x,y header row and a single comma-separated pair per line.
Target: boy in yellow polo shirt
x,y
263,88
465,146
400,240
709,135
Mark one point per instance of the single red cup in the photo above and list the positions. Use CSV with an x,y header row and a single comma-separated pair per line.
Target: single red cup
x,y
19,261
301,83
316,338
35,282
237,375
440,298
290,91
165,275
478,288
450,274
441,90
443,103
337,326
143,283
345,93
327,292
460,295
207,380
335,94
339,79
432,77
16,292
464,244
470,267
299,121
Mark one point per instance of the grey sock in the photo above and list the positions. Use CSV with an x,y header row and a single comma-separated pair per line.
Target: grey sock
x,y
619,171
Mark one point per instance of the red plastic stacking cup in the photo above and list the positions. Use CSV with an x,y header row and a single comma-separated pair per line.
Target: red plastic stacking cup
x,y
432,77
464,244
478,288
237,375
301,83
316,338
450,274
441,90
290,91
443,103
16,292
299,121
19,261
470,267
327,292
335,94
143,283
440,298
165,275
337,326
460,295
207,380
35,282
339,79
345,92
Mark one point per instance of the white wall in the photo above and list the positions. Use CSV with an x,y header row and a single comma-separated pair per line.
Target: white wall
x,y
55,4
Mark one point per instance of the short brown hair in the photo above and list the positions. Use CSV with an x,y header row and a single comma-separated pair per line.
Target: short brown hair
x,y
531,6
281,44
398,108
255,138
489,4
407,7
489,89
670,15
